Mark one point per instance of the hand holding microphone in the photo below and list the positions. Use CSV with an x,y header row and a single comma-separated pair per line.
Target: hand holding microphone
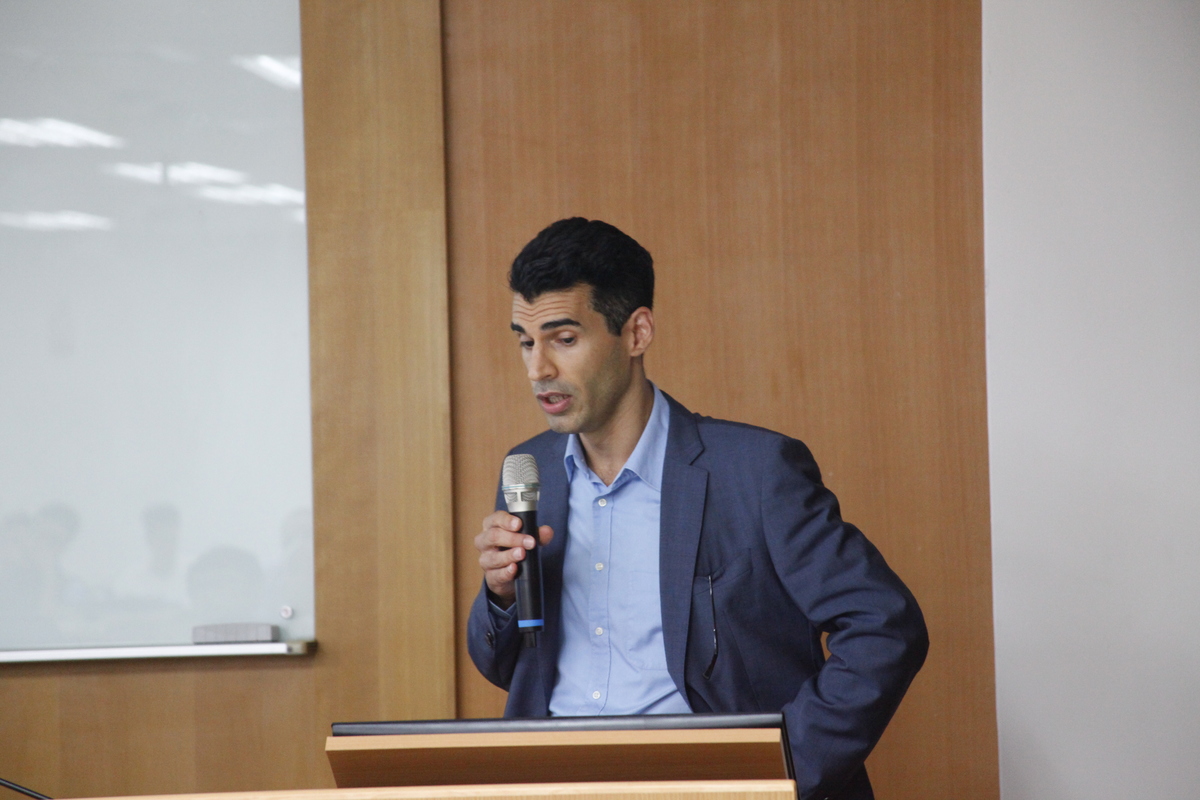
x,y
508,551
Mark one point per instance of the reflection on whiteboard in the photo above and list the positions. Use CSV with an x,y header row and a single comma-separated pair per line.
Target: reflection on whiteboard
x,y
155,444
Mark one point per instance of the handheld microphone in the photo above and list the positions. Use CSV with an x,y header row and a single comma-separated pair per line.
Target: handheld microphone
x,y
520,486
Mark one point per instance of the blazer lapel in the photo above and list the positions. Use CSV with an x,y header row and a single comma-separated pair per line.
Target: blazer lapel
x,y
684,489
552,511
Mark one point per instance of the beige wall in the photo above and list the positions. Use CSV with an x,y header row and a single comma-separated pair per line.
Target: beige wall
x,y
1093,196
807,176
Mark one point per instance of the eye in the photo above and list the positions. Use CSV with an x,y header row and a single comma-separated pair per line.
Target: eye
x,y
526,344
566,340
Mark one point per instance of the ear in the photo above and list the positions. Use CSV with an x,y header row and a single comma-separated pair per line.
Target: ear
x,y
639,329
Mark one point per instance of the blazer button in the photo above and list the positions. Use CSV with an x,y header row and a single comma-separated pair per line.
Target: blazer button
x,y
491,638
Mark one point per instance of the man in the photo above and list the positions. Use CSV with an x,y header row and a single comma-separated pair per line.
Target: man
x,y
689,564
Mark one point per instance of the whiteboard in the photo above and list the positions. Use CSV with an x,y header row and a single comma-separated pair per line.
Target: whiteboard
x,y
155,426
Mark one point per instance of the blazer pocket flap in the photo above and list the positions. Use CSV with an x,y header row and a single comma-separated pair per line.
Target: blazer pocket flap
x,y
729,571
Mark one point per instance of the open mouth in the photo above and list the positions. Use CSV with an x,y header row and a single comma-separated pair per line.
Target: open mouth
x,y
554,402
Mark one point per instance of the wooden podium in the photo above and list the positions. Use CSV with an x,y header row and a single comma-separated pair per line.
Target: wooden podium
x,y
719,763
493,760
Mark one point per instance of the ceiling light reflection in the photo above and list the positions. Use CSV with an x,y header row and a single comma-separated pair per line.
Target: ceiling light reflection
x,y
191,172
56,221
187,173
146,173
54,132
283,71
272,194
212,183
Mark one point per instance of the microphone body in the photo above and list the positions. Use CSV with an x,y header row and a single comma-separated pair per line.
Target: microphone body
x,y
520,485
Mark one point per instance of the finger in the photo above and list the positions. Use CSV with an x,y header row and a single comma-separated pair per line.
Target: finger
x,y
499,521
497,517
500,581
502,519
498,537
498,559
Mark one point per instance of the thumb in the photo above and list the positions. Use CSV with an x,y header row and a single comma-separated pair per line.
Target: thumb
x,y
545,534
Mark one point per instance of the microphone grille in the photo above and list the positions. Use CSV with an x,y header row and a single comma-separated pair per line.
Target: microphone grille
x,y
521,468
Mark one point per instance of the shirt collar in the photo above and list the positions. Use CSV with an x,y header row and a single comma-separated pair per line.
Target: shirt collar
x,y
646,460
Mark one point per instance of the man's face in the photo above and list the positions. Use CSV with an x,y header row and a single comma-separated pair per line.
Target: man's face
x,y
579,371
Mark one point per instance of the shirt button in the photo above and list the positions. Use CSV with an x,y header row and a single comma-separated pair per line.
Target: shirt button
x,y
599,567
595,695
599,631
602,502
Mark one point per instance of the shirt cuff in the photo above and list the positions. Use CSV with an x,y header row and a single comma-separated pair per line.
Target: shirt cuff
x,y
500,616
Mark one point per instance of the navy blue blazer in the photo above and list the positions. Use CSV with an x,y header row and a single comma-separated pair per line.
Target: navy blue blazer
x,y
744,507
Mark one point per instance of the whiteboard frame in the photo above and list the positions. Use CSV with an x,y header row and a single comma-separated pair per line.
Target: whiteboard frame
x,y
294,648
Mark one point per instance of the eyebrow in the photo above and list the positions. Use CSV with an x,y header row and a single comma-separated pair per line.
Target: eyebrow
x,y
549,326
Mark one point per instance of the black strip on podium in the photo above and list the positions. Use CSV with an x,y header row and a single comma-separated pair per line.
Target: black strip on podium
x,y
640,722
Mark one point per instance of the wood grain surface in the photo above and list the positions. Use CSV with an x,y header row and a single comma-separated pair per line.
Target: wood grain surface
x,y
380,364
557,757
808,178
380,340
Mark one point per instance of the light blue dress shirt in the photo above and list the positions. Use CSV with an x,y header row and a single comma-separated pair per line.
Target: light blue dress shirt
x,y
612,658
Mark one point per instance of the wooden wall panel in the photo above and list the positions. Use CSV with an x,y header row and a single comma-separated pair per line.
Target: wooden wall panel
x,y
381,414
380,366
808,177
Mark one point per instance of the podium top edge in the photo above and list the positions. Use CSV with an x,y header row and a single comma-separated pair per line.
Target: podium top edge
x,y
561,724
617,789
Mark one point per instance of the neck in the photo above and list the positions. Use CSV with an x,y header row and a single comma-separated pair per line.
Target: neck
x,y
608,448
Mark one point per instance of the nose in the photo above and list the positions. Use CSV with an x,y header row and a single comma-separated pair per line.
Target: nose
x,y
537,366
